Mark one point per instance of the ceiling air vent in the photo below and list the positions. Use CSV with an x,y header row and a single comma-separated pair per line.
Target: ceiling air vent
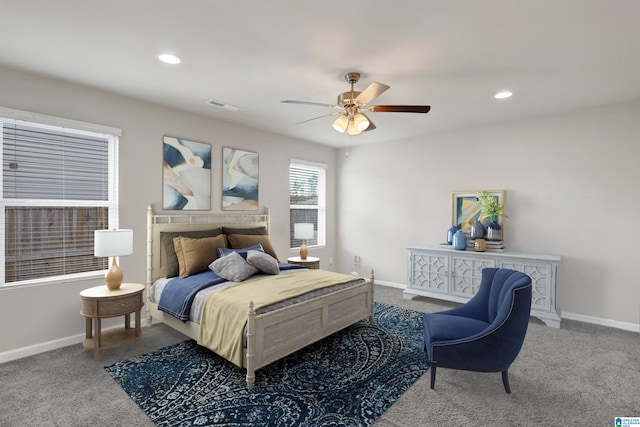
x,y
222,105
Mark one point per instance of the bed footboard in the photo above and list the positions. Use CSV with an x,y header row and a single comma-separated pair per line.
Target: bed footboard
x,y
276,334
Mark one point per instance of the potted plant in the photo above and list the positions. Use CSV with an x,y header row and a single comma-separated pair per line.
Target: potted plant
x,y
491,210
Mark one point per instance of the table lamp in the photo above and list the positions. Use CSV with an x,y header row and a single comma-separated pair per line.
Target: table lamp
x,y
303,231
113,243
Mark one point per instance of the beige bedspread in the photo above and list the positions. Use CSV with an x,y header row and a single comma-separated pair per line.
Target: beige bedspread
x,y
224,314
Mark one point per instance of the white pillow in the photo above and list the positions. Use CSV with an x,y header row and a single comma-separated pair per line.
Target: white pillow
x,y
263,262
233,267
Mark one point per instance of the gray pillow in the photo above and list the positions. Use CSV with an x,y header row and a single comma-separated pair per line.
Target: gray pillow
x,y
166,237
263,262
233,267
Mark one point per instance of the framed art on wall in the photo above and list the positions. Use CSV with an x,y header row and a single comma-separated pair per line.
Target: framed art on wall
x,y
240,179
186,174
466,208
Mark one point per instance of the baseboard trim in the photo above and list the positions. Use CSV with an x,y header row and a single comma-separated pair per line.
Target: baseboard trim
x,y
390,284
633,327
32,350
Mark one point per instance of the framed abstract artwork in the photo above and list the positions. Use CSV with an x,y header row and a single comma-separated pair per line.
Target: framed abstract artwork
x,y
466,208
240,173
186,174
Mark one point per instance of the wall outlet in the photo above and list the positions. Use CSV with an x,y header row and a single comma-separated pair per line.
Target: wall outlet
x,y
330,260
356,259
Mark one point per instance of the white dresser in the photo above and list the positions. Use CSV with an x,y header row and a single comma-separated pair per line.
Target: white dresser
x,y
444,273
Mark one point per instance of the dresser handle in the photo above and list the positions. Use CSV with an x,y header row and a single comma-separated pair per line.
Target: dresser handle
x,y
122,305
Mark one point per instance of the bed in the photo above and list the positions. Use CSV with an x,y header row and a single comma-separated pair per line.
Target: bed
x,y
275,331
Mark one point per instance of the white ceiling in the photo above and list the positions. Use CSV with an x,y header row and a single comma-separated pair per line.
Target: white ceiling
x,y
554,55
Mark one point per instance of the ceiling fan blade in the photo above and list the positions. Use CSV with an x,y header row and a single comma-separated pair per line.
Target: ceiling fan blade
x,y
399,108
316,104
319,117
371,92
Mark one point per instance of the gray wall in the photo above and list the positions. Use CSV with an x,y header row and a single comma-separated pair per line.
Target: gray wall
x,y
34,315
570,179
571,183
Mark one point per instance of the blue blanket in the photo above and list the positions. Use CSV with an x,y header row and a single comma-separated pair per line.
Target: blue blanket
x,y
178,294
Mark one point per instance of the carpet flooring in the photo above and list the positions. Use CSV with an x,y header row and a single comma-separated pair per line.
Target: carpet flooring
x,y
578,375
347,379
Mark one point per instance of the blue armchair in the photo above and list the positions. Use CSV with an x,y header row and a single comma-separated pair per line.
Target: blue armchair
x,y
486,333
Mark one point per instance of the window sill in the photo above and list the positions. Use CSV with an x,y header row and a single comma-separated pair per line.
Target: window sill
x,y
59,280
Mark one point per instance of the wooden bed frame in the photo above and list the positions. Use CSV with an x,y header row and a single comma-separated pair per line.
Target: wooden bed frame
x,y
271,335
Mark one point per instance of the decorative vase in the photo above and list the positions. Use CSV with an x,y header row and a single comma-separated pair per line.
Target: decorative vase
x,y
304,251
494,231
480,245
450,233
460,241
477,230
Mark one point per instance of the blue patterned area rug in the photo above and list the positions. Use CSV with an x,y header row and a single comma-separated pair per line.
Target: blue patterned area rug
x,y
347,379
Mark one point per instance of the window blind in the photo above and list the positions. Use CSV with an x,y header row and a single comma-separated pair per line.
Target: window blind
x,y
49,163
303,185
58,185
307,200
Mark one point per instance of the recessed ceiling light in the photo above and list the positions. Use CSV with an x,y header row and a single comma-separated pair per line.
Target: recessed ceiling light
x,y
502,95
169,58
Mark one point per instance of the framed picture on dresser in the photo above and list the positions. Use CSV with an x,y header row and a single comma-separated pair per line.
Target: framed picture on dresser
x,y
466,208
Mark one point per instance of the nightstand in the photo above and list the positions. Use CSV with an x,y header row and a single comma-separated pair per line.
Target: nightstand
x,y
310,262
99,303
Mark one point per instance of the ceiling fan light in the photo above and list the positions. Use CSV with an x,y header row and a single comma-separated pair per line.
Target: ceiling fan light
x,y
360,121
353,129
341,123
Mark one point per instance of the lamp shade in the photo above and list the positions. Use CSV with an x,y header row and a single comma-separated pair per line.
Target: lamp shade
x,y
303,231
113,242
361,122
341,123
353,129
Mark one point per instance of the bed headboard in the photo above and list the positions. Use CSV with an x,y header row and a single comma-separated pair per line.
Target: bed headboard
x,y
157,223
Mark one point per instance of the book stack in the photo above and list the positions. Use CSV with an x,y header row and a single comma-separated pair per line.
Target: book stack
x,y
492,245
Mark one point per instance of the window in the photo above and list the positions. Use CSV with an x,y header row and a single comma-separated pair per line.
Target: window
x,y
59,184
307,199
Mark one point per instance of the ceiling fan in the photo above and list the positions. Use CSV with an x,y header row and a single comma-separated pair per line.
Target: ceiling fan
x,y
351,105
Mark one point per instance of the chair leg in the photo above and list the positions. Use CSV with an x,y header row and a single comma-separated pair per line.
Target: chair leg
x,y
505,381
433,374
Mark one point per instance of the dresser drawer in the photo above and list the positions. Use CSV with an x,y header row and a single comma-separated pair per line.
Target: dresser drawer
x,y
119,306
99,301
111,307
